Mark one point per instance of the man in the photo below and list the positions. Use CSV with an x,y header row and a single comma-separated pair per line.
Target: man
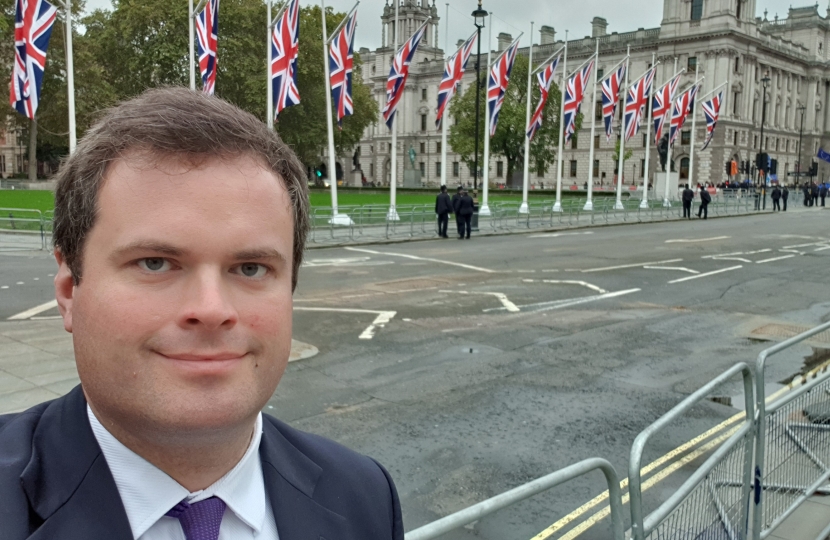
x,y
180,223
785,195
813,194
688,196
822,192
805,189
776,199
465,212
705,199
443,207
459,221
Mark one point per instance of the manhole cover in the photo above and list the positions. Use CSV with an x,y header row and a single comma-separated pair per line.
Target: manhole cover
x,y
408,284
780,332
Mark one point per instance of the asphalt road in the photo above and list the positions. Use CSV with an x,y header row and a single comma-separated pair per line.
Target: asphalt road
x,y
470,367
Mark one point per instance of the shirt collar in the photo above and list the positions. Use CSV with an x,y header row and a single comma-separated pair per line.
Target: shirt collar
x,y
148,493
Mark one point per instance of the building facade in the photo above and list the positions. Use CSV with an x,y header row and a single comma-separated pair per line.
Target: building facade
x,y
722,40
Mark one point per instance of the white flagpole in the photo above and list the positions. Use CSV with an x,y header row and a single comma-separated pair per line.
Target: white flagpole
x,y
484,210
446,107
192,45
644,203
692,141
589,204
557,206
70,78
270,91
392,214
666,201
523,209
618,205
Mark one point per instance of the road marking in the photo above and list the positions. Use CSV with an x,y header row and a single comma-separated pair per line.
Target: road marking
x,y
792,251
508,305
4,287
576,282
802,245
678,268
352,261
739,259
822,248
559,304
415,257
637,265
34,311
736,253
380,321
687,278
691,240
554,235
774,259
46,318
19,283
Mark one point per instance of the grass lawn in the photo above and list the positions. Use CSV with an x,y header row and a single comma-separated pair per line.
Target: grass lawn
x,y
23,198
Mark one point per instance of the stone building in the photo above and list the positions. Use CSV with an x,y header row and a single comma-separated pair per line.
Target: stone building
x,y
722,38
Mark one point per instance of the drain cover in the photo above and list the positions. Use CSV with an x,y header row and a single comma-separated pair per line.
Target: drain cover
x,y
780,332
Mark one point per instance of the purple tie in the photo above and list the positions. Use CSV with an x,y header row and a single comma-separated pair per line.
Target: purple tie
x,y
201,520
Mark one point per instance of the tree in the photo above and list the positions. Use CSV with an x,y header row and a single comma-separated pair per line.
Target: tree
x,y
616,155
510,133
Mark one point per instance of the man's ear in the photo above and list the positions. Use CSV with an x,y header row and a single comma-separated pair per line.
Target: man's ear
x,y
64,290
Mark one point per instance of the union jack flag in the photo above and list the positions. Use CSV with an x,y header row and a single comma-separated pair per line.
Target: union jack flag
x,y
574,92
454,70
545,77
399,72
284,48
497,83
636,101
661,106
711,110
207,28
341,61
610,96
33,21
682,107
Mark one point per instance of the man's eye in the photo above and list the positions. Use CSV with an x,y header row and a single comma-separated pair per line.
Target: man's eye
x,y
252,270
154,264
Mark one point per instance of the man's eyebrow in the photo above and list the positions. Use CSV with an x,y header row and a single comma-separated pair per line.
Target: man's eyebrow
x,y
150,245
259,254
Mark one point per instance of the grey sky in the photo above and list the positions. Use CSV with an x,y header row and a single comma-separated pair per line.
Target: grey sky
x,y
514,16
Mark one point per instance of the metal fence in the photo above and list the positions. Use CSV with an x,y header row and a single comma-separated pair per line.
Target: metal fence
x,y
24,229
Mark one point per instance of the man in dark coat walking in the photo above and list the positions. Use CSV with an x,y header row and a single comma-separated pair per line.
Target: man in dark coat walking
x,y
784,196
705,199
443,207
464,213
776,199
688,197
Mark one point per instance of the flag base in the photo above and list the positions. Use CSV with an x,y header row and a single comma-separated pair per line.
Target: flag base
x,y
392,214
619,205
341,219
589,206
666,203
484,210
523,209
557,207
644,204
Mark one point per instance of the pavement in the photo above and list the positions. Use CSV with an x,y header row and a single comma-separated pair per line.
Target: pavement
x,y
470,367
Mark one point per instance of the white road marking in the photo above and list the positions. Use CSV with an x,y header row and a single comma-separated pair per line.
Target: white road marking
x,y
822,248
740,259
550,270
508,305
690,240
736,253
678,268
46,318
353,261
576,282
559,304
19,283
4,287
415,257
775,259
554,235
637,265
687,278
34,311
380,321
795,251
802,245
36,279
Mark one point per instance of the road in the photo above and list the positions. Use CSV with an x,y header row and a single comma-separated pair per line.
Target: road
x,y
470,367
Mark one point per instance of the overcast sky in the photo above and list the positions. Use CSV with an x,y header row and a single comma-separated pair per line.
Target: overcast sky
x,y
514,16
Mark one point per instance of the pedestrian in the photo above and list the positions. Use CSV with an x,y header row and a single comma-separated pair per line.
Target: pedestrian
x,y
805,189
459,221
822,192
688,197
784,196
443,207
705,199
465,211
813,194
776,199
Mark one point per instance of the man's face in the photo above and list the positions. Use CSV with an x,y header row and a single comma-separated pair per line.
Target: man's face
x,y
182,319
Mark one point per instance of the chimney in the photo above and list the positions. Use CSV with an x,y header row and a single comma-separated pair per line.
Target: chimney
x,y
505,40
459,43
548,35
598,26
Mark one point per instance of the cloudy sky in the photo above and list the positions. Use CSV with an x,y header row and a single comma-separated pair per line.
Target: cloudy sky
x,y
514,16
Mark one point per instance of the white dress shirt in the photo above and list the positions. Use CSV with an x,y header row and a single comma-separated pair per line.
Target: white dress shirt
x,y
148,493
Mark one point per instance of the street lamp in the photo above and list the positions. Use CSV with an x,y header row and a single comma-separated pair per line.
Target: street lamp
x,y
765,83
800,109
479,15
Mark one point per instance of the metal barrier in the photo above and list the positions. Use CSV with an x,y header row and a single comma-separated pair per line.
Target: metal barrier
x,y
22,229
525,491
792,446
715,498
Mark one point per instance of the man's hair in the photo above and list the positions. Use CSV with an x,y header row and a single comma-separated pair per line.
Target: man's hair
x,y
161,124
443,188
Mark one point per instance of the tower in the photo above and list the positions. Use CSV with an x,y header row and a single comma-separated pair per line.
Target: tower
x,y
411,15
685,17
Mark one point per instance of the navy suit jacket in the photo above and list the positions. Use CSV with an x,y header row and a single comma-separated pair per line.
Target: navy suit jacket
x,y
55,482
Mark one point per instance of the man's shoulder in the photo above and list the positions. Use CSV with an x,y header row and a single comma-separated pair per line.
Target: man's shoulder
x,y
17,429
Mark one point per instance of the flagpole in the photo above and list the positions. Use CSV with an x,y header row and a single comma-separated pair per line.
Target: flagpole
x,y
589,204
269,108
692,141
192,45
392,215
557,206
666,201
618,205
523,209
644,203
446,107
484,210
70,78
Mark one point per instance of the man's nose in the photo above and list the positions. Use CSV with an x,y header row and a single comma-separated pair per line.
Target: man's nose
x,y
208,300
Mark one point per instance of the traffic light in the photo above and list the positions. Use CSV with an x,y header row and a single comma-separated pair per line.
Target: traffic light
x,y
733,168
317,172
728,168
814,169
762,161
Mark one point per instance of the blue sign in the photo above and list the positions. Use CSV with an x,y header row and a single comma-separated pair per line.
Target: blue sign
x,y
823,155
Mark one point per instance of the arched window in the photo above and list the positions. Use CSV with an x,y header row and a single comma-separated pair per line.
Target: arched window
x,y
697,10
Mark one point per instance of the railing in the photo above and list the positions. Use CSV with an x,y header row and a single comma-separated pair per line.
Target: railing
x,y
23,229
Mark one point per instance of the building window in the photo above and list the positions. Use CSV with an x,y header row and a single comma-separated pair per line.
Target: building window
x,y
573,142
737,59
598,111
438,169
642,168
383,147
423,122
735,138
735,103
573,168
684,168
455,169
697,10
596,168
499,169
691,64
424,94
600,74
596,142
776,143
755,142
438,147
645,142
423,147
372,170
540,172
423,167
685,137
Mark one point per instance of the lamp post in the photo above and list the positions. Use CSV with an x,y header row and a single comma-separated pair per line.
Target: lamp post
x,y
800,109
479,15
765,83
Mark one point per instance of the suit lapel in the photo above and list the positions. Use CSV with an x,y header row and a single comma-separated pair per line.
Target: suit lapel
x,y
67,481
290,478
